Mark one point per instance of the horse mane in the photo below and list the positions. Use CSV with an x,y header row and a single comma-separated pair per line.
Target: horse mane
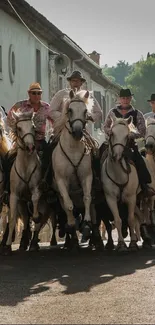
x,y
131,126
60,122
5,143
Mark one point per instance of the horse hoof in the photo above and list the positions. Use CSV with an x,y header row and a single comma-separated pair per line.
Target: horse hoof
x,y
121,247
147,244
62,233
133,247
34,247
1,249
83,240
7,251
109,246
53,242
22,248
99,246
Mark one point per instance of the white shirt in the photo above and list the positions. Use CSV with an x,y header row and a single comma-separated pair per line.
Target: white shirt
x,y
150,114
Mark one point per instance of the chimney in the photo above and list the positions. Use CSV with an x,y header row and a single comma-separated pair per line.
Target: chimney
x,y
95,57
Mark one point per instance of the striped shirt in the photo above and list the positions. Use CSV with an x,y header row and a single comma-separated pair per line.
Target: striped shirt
x,y
41,116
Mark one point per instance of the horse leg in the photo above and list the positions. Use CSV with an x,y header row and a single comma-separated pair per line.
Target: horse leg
x,y
44,214
12,221
131,222
68,207
95,239
53,241
34,246
5,237
35,201
87,186
145,225
26,235
68,204
110,243
118,222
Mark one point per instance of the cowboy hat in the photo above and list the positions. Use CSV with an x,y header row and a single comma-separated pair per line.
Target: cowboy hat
x,y
35,86
125,93
76,75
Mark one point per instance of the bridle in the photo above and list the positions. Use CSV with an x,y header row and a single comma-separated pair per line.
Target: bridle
x,y
150,136
77,119
22,138
71,132
126,171
24,148
112,146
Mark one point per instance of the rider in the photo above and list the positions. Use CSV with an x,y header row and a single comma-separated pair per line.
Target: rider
x,y
42,113
152,104
124,110
76,81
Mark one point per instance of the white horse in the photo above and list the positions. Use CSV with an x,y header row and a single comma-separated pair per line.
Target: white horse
x,y
71,161
120,179
25,173
148,203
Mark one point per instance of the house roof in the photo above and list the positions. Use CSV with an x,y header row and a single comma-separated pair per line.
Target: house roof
x,y
39,25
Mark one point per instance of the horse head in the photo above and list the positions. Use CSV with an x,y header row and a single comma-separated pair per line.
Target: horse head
x,y
119,136
150,136
77,112
25,130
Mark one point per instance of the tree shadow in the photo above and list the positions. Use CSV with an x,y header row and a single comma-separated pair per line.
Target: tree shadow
x,y
27,274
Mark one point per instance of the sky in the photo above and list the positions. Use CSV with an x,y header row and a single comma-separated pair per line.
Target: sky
x,y
117,29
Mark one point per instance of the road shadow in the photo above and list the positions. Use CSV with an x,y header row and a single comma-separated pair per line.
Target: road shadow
x,y
26,274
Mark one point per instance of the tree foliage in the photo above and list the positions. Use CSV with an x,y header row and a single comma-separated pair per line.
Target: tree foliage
x,y
142,82
118,73
139,77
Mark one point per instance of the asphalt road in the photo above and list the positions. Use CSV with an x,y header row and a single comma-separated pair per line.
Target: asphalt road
x,y
57,287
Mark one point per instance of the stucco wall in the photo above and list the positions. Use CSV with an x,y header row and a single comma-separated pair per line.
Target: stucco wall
x,y
24,47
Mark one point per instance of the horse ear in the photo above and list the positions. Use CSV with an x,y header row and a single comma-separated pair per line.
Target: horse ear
x,y
90,118
71,94
129,119
86,94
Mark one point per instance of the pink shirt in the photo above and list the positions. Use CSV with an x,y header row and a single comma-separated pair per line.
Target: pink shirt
x,y
42,114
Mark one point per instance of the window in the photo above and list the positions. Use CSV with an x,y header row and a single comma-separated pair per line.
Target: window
x,y
38,66
12,63
60,83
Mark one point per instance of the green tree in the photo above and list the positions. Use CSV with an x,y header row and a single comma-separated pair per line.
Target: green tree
x,y
119,73
141,81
